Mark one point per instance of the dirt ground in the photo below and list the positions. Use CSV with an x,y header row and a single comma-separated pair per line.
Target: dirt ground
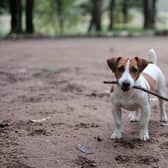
x,y
52,99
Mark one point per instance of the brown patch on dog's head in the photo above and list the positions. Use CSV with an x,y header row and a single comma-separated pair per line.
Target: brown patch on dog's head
x,y
142,63
112,63
136,66
117,65
134,69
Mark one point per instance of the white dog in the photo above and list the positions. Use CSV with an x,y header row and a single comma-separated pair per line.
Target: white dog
x,y
131,72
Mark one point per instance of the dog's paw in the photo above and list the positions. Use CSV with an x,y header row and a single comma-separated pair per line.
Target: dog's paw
x,y
144,135
116,135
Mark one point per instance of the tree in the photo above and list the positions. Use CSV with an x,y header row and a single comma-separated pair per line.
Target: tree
x,y
60,14
29,16
95,21
111,13
16,16
4,6
149,10
154,12
125,11
97,14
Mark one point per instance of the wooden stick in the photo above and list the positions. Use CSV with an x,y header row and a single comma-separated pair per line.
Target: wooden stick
x,y
140,88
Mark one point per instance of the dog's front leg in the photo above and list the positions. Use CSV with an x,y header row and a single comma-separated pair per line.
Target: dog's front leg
x,y
144,121
117,120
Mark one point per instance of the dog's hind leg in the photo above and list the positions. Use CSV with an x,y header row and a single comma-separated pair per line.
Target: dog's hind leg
x,y
163,114
162,92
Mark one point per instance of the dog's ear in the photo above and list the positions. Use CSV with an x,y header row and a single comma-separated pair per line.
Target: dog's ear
x,y
142,63
112,63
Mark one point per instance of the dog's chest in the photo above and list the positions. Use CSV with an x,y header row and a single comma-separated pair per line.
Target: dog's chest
x,y
129,102
130,105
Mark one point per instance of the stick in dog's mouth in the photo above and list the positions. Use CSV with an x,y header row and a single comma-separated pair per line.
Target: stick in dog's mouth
x,y
140,88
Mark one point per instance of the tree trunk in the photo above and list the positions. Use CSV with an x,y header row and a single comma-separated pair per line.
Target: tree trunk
x,y
29,16
95,21
146,13
60,14
125,11
111,15
91,24
97,14
149,13
154,12
16,16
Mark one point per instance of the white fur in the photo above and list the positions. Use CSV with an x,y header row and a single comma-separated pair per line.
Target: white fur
x,y
152,56
126,77
136,100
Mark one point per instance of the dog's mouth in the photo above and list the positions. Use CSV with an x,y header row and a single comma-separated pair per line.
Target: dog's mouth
x,y
125,86
125,89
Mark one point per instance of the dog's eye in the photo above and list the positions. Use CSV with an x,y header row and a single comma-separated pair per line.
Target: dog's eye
x,y
121,69
134,70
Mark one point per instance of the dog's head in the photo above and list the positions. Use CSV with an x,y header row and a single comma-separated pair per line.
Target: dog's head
x,y
127,70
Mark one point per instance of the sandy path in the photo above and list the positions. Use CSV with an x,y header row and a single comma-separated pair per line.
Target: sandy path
x,y
59,84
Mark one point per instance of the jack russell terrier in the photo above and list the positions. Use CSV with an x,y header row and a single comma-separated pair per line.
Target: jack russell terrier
x,y
131,72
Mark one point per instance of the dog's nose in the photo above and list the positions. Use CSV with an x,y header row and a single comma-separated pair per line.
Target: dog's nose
x,y
125,85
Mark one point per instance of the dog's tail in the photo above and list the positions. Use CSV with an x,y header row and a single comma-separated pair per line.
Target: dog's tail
x,y
152,56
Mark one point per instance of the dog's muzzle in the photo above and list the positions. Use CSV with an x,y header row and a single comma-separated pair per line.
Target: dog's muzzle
x,y
125,86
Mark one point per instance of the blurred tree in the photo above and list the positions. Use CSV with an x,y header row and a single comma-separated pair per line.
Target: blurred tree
x,y
29,16
16,16
60,14
4,6
125,11
95,21
111,13
45,18
16,8
146,14
75,16
149,10
154,12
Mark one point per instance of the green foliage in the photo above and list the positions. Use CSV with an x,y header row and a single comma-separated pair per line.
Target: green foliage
x,y
4,6
47,19
75,15
44,16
